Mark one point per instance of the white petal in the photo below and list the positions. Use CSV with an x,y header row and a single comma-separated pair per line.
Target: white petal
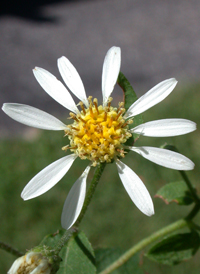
x,y
33,117
135,189
48,177
15,266
165,128
152,97
55,88
72,79
74,202
164,157
111,68
30,257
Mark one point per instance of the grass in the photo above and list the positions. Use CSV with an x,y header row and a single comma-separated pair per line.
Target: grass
x,y
112,219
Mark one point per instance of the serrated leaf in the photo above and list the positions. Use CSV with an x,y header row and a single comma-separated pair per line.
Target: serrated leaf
x,y
106,256
77,256
129,98
175,192
175,249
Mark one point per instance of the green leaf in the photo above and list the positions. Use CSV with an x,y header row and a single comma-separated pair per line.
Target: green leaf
x,y
129,93
129,98
175,249
77,256
170,147
106,256
46,247
52,239
175,192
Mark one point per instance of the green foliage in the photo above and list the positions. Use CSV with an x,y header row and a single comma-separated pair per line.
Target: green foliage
x,y
106,256
129,98
175,249
175,192
77,256
47,248
52,239
129,94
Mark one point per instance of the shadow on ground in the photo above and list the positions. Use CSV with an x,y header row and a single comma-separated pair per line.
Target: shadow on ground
x,y
32,10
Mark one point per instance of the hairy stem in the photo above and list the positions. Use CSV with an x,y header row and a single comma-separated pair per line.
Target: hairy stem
x,y
97,175
66,236
68,233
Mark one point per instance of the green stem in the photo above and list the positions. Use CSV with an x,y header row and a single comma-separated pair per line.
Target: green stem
x,y
152,238
10,249
193,213
97,175
68,233
190,187
143,243
66,236
185,178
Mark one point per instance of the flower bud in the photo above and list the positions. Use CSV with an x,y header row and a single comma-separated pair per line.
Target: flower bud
x,y
31,263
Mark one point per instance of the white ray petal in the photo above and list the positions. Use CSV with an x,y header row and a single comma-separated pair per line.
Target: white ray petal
x,y
151,98
135,189
16,265
74,202
111,68
165,128
55,88
164,157
30,256
32,117
48,177
72,79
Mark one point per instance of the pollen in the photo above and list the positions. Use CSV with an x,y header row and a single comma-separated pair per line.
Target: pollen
x,y
98,132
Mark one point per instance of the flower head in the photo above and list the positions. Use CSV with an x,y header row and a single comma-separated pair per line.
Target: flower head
x,y
31,263
99,133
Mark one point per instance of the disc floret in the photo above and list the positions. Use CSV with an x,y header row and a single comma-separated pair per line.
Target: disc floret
x,y
98,132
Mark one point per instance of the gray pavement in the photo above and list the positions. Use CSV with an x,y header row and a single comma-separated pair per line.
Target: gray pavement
x,y
159,40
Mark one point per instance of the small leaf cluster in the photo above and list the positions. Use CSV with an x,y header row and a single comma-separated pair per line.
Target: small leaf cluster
x,y
78,256
181,246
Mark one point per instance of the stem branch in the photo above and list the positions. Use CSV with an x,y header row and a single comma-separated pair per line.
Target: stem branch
x,y
10,249
190,187
152,238
143,243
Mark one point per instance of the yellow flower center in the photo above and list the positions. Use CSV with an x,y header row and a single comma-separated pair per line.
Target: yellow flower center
x,y
98,132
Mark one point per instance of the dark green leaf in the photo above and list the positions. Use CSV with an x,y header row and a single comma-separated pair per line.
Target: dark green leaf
x,y
175,192
175,249
106,256
77,256
170,147
129,93
129,98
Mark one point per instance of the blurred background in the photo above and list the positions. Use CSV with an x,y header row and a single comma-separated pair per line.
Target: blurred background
x,y
159,40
